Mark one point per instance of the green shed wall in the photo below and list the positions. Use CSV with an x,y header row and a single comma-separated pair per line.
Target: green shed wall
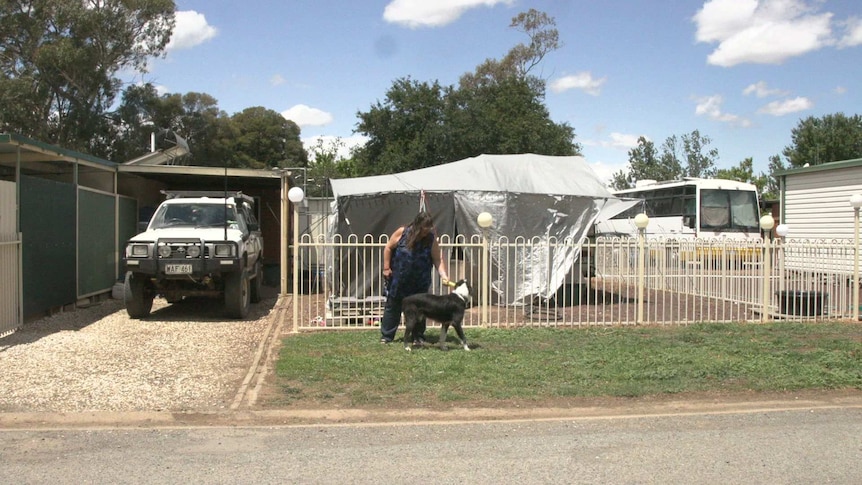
x,y
48,244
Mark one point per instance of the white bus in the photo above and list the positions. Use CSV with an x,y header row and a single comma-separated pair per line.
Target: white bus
x,y
689,208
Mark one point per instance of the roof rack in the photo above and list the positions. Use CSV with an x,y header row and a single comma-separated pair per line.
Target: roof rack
x,y
216,194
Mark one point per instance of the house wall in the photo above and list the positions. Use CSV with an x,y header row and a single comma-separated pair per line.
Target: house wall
x,y
816,204
816,207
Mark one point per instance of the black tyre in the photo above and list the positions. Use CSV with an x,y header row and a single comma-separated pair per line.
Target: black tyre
x,y
257,283
237,294
138,298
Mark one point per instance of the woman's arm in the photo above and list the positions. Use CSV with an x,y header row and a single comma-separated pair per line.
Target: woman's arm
x,y
439,262
389,249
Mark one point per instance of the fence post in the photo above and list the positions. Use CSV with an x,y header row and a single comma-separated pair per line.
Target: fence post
x,y
641,221
856,203
766,223
295,195
781,231
485,220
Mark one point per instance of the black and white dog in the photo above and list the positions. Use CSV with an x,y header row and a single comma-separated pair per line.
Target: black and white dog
x,y
446,309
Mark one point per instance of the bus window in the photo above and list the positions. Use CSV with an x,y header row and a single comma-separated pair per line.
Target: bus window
x,y
714,209
728,210
743,210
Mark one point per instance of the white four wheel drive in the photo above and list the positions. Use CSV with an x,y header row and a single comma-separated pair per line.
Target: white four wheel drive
x,y
196,244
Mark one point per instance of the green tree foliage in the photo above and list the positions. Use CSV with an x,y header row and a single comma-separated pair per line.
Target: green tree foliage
x,y
60,59
254,138
645,163
744,172
505,117
685,156
499,108
771,190
699,158
264,139
767,184
406,131
193,116
521,59
830,138
325,163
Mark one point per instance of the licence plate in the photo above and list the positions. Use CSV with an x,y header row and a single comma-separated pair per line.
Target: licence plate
x,y
178,269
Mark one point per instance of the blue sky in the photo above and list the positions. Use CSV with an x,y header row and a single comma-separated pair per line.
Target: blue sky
x,y
743,72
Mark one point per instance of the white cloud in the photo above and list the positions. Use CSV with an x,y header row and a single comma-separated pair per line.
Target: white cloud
x,y
853,33
839,90
620,141
424,13
710,106
781,108
277,80
345,144
761,90
582,80
191,29
304,115
762,31
605,171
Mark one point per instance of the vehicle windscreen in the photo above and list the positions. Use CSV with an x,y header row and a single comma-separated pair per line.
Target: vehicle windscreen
x,y
193,214
728,210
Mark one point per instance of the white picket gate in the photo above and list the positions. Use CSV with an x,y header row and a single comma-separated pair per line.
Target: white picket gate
x,y
11,303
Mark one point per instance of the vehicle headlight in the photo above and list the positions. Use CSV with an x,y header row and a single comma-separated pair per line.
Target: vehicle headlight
x,y
193,251
139,250
223,250
164,251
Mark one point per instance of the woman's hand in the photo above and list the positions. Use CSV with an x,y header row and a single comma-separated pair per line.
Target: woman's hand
x,y
387,272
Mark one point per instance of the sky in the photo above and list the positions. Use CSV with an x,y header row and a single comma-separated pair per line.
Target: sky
x,y
742,72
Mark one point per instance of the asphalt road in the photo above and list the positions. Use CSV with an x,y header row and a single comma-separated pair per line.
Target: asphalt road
x,y
806,446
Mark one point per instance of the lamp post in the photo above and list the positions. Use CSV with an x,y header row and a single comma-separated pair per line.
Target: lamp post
x,y
295,195
766,223
856,203
781,231
484,220
641,222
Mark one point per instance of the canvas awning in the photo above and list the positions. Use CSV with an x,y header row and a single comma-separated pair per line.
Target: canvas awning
x,y
528,195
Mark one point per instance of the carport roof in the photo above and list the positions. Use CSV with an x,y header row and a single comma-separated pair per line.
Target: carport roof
x,y
203,176
40,157
37,157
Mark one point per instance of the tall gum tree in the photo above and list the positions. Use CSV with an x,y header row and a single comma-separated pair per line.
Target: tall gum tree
x,y
60,59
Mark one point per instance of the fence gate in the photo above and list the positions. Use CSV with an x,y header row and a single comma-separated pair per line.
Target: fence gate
x,y
11,314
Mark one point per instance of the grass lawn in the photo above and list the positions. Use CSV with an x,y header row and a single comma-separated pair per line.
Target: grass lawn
x,y
539,365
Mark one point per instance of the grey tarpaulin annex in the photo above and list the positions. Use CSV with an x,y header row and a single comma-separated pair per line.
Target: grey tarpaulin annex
x,y
537,197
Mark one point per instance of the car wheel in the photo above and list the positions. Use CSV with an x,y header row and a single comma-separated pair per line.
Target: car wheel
x,y
138,299
236,294
256,283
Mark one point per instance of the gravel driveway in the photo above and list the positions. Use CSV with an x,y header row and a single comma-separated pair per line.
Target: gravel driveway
x,y
185,356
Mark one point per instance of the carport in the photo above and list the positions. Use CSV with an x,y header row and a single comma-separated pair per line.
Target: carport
x,y
65,217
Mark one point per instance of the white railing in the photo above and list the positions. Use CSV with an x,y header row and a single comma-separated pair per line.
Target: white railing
x,y
615,281
11,300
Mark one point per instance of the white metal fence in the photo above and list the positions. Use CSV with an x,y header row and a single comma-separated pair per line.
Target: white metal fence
x,y
613,281
11,313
